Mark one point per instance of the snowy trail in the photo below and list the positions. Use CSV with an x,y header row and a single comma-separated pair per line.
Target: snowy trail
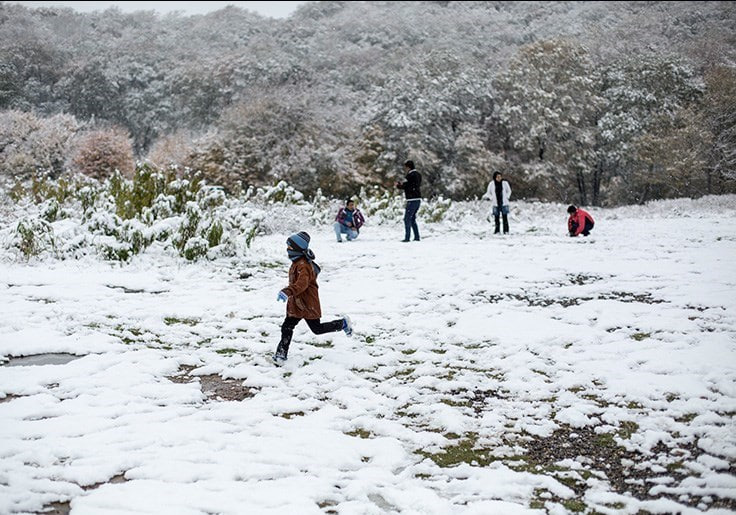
x,y
517,374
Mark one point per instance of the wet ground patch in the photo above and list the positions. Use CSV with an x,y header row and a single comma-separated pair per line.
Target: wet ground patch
x,y
214,386
64,508
135,290
49,358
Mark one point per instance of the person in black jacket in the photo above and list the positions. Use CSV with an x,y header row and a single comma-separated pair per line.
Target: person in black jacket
x,y
413,199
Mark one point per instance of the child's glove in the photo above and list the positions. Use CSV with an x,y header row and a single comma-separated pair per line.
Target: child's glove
x,y
282,296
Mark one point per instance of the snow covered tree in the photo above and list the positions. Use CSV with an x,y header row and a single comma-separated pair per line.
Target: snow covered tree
x,y
421,114
672,159
643,96
274,136
719,112
30,144
548,105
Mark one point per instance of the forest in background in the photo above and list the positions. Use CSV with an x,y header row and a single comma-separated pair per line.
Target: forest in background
x,y
598,103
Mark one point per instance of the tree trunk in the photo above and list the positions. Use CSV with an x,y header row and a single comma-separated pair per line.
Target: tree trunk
x,y
596,186
581,189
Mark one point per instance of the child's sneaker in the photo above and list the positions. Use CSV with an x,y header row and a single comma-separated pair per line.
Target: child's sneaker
x,y
347,325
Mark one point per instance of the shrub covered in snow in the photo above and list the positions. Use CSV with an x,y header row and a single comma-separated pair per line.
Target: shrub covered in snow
x,y
121,217
101,152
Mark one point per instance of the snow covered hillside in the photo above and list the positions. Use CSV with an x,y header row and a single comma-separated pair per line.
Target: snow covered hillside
x,y
531,373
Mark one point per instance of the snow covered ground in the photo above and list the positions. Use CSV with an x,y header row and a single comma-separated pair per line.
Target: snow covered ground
x,y
531,373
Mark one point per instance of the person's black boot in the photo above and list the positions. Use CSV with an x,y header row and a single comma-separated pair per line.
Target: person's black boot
x,y
497,222
505,224
282,351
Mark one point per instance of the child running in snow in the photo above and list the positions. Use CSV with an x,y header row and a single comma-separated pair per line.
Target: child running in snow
x,y
302,296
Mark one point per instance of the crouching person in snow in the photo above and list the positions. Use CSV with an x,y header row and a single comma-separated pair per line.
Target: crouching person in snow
x,y
348,221
580,221
302,296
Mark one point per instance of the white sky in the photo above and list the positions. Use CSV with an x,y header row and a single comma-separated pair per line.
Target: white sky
x,y
272,9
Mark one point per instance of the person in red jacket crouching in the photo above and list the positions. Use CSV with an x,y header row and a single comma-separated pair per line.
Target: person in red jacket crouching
x,y
580,221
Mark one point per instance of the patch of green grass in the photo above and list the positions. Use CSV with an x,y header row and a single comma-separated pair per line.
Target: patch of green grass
x,y
439,351
463,404
464,451
686,418
640,336
574,505
321,345
292,414
615,505
269,264
401,412
627,429
227,351
185,321
569,482
597,400
360,433
634,405
604,440
370,339
126,331
471,346
132,330
326,504
408,352
405,372
675,467
536,504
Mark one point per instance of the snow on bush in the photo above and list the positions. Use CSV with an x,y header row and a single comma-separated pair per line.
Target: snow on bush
x,y
121,217
101,152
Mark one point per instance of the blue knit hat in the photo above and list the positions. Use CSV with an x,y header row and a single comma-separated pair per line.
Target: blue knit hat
x,y
299,240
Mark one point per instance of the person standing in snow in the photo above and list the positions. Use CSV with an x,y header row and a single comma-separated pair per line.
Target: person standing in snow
x,y
413,199
499,192
348,221
580,221
302,296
